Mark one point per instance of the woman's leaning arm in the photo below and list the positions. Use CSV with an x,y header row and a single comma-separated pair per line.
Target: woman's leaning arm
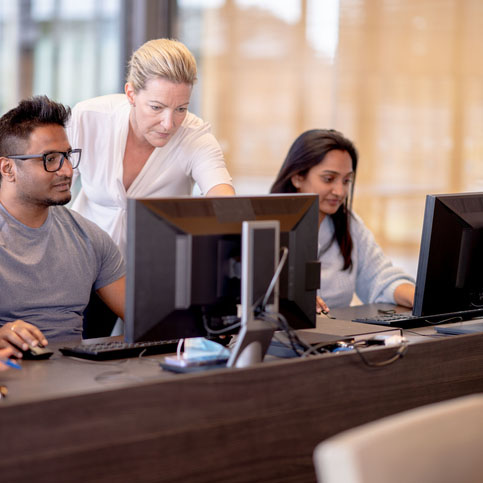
x,y
221,190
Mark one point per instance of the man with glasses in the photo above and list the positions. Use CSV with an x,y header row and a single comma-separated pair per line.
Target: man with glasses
x,y
50,256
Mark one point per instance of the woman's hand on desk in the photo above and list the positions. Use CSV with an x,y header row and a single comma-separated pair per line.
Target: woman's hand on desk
x,y
20,335
321,307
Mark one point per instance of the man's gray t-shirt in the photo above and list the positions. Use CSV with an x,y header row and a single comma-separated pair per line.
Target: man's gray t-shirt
x,y
47,273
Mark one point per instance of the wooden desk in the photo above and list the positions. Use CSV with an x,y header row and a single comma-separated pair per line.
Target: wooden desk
x,y
72,421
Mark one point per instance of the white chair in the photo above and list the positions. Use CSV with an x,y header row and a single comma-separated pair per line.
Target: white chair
x,y
440,443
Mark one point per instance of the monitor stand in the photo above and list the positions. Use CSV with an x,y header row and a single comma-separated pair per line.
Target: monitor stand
x,y
260,251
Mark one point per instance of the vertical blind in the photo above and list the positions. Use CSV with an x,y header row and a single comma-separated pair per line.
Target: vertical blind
x,y
402,78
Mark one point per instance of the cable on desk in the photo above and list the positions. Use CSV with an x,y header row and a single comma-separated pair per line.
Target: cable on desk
x,y
398,355
110,375
304,349
281,323
320,348
276,276
99,363
435,336
386,311
236,322
445,321
147,360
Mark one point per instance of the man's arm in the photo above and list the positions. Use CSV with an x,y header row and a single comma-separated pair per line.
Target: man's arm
x,y
221,190
114,296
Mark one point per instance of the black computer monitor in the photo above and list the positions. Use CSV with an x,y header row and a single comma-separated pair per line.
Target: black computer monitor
x,y
183,262
450,269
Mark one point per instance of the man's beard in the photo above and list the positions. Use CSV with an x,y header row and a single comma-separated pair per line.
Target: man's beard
x,y
51,202
26,194
55,202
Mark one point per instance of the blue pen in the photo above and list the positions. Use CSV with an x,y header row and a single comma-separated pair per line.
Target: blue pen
x,y
11,363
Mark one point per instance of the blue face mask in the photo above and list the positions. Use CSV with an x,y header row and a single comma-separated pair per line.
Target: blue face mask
x,y
201,349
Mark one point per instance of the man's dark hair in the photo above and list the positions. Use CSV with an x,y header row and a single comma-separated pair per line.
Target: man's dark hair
x,y
17,125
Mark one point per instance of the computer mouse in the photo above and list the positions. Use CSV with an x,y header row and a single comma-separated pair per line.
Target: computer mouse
x,y
36,353
324,314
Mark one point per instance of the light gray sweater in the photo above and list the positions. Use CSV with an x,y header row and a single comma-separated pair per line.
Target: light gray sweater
x,y
372,277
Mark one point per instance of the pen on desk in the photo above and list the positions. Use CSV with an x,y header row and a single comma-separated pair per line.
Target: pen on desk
x,y
10,363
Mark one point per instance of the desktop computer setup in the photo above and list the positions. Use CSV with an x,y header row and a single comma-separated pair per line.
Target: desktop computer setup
x,y
186,273
200,267
185,276
449,282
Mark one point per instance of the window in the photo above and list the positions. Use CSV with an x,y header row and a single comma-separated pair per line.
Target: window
x,y
66,49
398,77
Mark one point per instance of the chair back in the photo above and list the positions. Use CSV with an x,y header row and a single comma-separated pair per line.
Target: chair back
x,y
441,442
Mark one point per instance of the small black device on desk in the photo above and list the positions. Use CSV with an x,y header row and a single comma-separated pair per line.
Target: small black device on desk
x,y
36,353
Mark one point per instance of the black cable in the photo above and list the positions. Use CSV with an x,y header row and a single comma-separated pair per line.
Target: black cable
x,y
294,339
276,276
398,355
444,321
229,328
424,335
321,348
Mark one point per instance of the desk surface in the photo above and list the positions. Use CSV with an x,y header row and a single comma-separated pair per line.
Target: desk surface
x,y
62,376
70,420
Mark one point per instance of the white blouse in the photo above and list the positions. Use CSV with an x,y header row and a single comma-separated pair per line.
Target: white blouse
x,y
100,127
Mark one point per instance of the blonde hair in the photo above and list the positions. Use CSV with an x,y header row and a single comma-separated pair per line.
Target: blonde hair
x,y
165,58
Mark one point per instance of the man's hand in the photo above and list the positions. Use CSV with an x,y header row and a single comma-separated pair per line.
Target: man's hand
x,y
4,355
20,335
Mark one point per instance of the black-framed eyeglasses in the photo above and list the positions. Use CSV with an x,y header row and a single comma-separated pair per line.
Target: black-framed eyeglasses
x,y
54,160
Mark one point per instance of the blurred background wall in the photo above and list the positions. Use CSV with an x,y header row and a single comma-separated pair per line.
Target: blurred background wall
x,y
402,78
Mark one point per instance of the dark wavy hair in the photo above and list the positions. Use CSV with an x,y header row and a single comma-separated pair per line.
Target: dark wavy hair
x,y
17,125
307,151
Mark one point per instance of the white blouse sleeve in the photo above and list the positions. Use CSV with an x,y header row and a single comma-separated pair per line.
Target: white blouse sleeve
x,y
206,161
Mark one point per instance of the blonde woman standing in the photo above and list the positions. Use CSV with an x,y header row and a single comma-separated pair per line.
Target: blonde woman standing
x,y
145,143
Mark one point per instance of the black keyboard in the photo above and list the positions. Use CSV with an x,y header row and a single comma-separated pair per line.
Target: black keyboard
x,y
406,320
386,318
120,350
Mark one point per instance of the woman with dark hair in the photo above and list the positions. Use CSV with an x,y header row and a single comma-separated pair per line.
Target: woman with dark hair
x,y
325,162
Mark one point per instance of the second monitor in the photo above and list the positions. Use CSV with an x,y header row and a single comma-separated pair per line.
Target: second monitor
x,y
450,269
183,276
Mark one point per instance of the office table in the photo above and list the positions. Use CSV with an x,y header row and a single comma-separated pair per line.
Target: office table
x,y
70,421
